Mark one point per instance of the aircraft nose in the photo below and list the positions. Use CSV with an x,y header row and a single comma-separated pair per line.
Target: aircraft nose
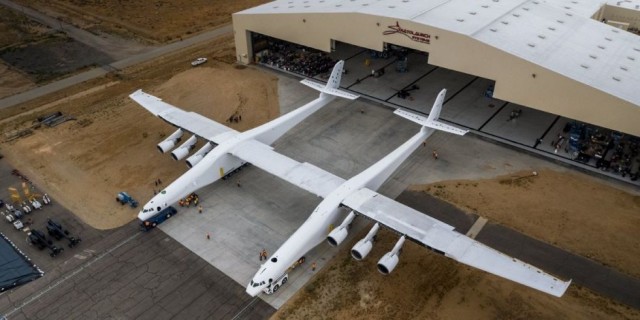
x,y
253,291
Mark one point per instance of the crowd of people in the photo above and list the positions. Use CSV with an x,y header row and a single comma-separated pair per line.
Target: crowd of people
x,y
295,58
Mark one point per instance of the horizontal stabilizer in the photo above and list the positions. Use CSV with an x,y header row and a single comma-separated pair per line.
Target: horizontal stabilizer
x,y
332,91
425,122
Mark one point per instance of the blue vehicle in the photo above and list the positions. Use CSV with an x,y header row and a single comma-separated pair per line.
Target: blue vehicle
x,y
125,198
159,218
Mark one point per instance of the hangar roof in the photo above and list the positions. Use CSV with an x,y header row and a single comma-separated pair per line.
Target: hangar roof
x,y
558,35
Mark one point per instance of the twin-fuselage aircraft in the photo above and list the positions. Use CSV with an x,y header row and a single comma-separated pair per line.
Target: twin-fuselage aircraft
x,y
227,150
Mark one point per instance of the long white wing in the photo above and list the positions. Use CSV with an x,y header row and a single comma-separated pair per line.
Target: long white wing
x,y
303,175
441,238
188,121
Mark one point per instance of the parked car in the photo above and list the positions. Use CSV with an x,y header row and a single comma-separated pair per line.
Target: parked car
x,y
198,61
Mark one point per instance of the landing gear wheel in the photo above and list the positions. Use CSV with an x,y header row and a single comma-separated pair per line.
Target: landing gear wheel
x,y
275,288
154,224
284,280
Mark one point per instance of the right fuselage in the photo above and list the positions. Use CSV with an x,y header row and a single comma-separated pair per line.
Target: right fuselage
x,y
315,229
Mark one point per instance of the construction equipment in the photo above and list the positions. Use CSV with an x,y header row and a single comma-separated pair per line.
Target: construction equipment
x,y
125,198
15,195
58,232
38,239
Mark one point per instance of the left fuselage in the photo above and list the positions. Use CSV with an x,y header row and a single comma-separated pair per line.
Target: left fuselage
x,y
217,163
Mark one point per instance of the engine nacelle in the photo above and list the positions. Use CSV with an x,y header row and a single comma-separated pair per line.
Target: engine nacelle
x,y
170,142
199,155
184,148
337,235
389,261
179,153
363,247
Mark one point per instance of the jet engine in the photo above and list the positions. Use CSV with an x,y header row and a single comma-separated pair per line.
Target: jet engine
x,y
389,261
363,247
199,155
170,142
337,235
183,150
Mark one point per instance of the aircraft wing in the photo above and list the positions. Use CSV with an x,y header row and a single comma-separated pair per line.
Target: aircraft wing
x,y
441,238
189,121
303,175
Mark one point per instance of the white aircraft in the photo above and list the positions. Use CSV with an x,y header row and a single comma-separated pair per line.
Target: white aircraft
x,y
234,149
210,164
357,195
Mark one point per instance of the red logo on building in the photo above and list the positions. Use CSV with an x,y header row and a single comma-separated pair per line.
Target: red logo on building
x,y
413,35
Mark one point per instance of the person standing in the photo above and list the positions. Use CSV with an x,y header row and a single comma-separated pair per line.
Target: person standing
x,y
435,154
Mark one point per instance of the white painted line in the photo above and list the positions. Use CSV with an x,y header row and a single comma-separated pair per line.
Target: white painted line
x,y
476,227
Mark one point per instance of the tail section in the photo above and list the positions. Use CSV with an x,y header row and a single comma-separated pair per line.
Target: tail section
x,y
333,85
437,106
336,76
432,121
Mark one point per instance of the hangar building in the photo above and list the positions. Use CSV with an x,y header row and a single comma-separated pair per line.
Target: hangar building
x,y
567,57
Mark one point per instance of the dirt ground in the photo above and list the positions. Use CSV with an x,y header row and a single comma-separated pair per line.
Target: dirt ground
x,y
155,21
112,145
13,81
570,210
428,286
17,31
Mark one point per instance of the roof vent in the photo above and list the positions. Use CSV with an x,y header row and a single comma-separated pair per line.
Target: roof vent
x,y
568,14
494,30
485,6
504,22
516,15
574,2
460,20
607,38
473,13
567,7
525,8
536,2
542,36
532,45
593,56
615,30
624,68
636,49
602,47
365,4
496,0
616,78
552,28
631,58
391,7
584,66
560,21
